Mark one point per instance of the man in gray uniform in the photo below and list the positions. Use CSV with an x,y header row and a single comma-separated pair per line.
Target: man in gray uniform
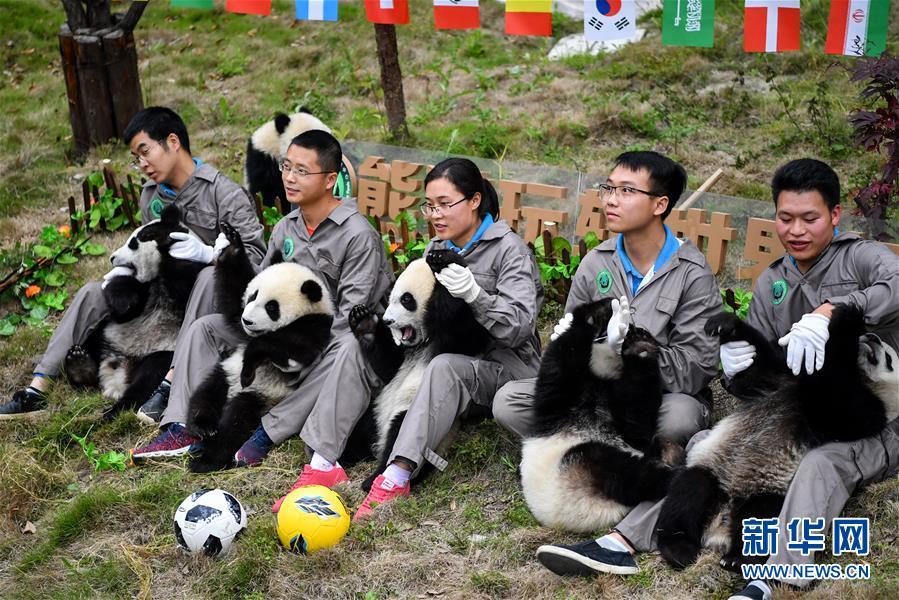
x,y
667,284
324,234
160,144
792,302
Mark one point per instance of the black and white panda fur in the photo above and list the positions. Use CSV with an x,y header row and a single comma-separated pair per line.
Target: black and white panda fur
x,y
589,460
747,462
286,311
265,149
422,320
131,351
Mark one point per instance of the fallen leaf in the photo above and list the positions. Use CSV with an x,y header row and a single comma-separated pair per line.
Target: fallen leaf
x,y
29,527
453,504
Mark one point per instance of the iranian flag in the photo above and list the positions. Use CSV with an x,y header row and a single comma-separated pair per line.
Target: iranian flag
x,y
857,27
457,14
529,17
771,25
387,12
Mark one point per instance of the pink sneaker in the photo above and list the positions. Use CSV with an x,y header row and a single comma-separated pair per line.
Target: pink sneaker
x,y
382,490
311,476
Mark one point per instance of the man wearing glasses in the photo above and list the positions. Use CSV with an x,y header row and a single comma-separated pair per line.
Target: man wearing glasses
x,y
160,145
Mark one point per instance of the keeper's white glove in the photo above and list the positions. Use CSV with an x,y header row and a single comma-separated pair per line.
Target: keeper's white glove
x,y
188,247
805,343
736,356
459,282
116,272
221,242
561,327
618,324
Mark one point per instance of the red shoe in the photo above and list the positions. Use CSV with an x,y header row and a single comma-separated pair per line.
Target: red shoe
x,y
382,490
311,476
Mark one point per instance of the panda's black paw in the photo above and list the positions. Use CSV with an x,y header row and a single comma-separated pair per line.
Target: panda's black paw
x,y
247,376
678,551
593,316
725,326
667,451
202,426
440,259
235,242
80,368
363,323
639,343
111,413
204,464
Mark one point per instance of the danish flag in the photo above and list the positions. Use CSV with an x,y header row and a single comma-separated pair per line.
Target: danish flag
x,y
771,25
387,12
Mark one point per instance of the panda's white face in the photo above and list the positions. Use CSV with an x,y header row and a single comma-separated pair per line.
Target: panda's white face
x,y
280,295
880,364
144,248
274,143
405,315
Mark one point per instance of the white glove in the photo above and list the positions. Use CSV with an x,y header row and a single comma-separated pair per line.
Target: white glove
x,y
188,247
116,272
807,339
221,242
618,324
459,282
561,327
736,356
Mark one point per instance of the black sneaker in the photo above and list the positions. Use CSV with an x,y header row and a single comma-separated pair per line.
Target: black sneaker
x,y
25,403
751,592
586,558
151,411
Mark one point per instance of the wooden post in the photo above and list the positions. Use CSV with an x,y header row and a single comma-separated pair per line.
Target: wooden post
x,y
70,72
391,81
121,71
73,222
94,89
86,195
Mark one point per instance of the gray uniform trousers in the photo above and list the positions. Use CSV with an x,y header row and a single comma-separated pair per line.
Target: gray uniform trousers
x,y
827,476
88,309
680,415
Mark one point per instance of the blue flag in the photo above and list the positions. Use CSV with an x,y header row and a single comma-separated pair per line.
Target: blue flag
x,y
317,10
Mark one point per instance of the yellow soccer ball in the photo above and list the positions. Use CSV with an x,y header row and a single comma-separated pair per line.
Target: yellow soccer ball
x,y
311,517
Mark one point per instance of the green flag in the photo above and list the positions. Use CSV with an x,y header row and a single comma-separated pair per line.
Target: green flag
x,y
688,23
192,4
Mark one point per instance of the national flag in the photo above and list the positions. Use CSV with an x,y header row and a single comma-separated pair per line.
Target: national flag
x,y
249,7
207,4
316,10
771,25
608,20
457,14
688,23
857,27
387,12
529,17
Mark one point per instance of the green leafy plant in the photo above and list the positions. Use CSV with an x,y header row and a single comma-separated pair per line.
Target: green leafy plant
x,y
106,461
736,301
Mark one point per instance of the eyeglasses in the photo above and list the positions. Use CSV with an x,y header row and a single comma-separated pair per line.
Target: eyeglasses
x,y
143,154
286,167
430,210
606,191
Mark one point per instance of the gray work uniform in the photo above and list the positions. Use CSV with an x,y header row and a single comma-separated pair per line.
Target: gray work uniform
x,y
207,198
507,307
347,252
673,306
849,271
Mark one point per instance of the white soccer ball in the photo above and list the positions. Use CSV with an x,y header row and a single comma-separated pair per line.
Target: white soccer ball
x,y
208,521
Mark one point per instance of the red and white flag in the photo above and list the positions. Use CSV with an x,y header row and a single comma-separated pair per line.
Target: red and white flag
x,y
771,25
457,14
387,12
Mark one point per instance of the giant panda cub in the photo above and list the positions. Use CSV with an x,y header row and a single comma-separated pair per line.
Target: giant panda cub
x,y
422,320
267,146
131,351
746,463
589,459
287,313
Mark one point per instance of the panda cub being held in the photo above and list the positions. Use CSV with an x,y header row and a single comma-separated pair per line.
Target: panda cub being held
x,y
422,320
286,313
594,452
131,351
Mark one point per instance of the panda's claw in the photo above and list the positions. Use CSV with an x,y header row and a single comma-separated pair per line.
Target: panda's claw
x,y
235,242
80,368
440,259
362,320
724,326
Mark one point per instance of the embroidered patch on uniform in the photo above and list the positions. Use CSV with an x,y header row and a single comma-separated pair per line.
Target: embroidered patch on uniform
x,y
287,247
779,291
156,207
604,281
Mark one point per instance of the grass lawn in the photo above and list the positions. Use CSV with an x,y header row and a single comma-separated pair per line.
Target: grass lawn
x,y
466,533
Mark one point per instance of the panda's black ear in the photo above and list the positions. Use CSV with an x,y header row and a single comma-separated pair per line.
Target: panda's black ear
x,y
171,216
312,290
303,109
281,122
277,257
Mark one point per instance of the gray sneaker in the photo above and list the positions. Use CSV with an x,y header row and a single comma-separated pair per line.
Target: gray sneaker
x,y
24,404
151,410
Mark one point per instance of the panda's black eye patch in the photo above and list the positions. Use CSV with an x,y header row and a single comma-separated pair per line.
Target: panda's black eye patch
x,y
252,296
273,310
132,243
408,302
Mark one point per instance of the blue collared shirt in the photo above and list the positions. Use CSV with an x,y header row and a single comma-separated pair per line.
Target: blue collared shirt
x,y
635,277
487,222
170,192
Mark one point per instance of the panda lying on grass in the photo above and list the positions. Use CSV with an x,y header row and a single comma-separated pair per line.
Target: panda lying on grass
x,y
748,460
287,313
131,351
422,320
589,459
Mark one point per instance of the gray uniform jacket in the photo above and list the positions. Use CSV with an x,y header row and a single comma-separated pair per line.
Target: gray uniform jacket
x,y
673,306
851,270
206,199
510,299
345,250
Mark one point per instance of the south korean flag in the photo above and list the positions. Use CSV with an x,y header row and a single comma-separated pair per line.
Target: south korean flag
x,y
607,20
